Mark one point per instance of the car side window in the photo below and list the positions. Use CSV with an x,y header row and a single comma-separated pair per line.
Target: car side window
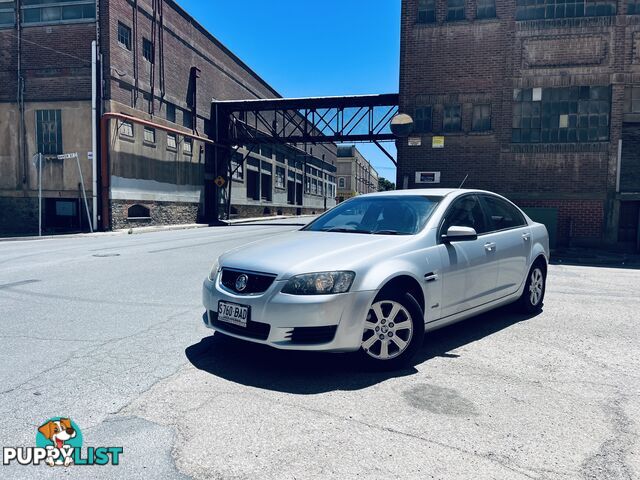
x,y
502,214
466,212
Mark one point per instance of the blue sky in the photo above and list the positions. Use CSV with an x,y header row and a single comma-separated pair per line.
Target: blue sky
x,y
346,47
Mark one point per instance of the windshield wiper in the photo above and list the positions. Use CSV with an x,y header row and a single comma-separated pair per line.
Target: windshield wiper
x,y
344,230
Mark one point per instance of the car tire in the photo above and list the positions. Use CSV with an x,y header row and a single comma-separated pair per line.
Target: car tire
x,y
532,299
393,332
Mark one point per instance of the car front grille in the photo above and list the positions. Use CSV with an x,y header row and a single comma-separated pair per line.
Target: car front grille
x,y
255,330
255,282
312,335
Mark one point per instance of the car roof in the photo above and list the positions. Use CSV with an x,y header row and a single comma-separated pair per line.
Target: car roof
x,y
431,192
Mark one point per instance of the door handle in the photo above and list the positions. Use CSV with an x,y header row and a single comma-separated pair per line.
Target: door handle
x,y
430,277
526,237
490,247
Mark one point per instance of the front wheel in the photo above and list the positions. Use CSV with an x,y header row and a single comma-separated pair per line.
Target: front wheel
x,y
533,296
393,331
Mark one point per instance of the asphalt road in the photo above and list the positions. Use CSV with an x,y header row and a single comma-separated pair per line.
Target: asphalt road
x,y
107,329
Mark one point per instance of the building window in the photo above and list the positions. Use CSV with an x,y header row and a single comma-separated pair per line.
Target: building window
x,y
452,121
426,11
547,9
57,11
7,13
342,182
455,10
632,100
422,120
481,121
187,146
149,135
49,131
237,168
266,151
633,7
137,211
280,177
486,9
148,50
172,142
126,129
187,119
171,112
253,185
266,192
124,36
561,115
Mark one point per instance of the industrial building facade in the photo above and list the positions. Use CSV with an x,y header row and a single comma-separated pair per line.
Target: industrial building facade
x,y
154,63
536,100
355,175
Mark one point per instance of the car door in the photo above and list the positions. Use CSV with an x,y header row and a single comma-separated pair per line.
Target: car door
x,y
469,268
512,237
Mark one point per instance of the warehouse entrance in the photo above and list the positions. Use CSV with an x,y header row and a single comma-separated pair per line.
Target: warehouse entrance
x,y
629,186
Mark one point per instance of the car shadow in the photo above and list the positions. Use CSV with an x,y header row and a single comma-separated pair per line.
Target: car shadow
x,y
307,373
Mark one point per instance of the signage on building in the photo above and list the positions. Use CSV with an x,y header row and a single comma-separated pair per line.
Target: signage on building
x,y
437,142
415,141
427,177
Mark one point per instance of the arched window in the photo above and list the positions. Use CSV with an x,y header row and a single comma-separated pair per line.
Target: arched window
x,y
342,183
138,211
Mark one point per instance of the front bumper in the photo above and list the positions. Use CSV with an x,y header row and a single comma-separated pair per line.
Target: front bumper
x,y
281,315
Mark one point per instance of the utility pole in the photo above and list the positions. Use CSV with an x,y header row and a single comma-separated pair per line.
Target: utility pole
x,y
39,194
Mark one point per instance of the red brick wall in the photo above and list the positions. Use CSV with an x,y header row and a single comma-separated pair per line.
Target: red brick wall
x,y
56,62
483,61
576,218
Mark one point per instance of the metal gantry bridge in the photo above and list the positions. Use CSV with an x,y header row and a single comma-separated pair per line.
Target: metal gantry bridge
x,y
292,121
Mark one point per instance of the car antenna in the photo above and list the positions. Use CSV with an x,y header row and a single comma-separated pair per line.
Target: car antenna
x,y
465,179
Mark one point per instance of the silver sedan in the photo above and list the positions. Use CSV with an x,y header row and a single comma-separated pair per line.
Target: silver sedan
x,y
377,271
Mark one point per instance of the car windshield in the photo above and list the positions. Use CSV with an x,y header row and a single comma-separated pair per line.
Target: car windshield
x,y
378,215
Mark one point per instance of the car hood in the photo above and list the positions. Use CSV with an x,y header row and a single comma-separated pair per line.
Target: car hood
x,y
306,251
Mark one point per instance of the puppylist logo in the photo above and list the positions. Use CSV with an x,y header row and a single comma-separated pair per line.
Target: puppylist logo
x,y
59,444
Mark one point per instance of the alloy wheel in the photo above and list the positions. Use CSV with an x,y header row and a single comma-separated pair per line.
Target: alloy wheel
x,y
388,330
536,286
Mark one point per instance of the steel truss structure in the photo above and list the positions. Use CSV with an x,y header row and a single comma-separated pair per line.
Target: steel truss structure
x,y
352,119
291,121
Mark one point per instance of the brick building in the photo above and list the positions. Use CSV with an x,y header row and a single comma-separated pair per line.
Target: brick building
x,y
355,175
536,100
157,64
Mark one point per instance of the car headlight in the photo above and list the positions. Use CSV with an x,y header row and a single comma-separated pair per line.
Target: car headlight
x,y
214,271
322,283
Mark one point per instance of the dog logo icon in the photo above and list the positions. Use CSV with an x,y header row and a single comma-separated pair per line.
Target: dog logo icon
x,y
62,435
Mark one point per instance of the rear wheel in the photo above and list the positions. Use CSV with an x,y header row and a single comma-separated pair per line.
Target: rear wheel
x,y
532,298
393,331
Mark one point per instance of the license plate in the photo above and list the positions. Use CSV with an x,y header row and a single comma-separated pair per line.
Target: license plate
x,y
233,313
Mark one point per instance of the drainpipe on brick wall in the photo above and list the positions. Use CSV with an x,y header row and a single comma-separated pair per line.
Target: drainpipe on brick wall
x,y
94,132
22,154
619,166
104,155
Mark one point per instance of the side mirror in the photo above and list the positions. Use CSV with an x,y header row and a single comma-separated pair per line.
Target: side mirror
x,y
459,234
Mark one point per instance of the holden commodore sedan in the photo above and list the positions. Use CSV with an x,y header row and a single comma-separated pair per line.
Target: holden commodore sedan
x,y
376,272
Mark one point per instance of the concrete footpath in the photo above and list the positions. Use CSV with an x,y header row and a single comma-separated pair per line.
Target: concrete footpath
x,y
164,228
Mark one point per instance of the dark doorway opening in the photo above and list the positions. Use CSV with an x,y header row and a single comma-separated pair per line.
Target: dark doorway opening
x,y
629,225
